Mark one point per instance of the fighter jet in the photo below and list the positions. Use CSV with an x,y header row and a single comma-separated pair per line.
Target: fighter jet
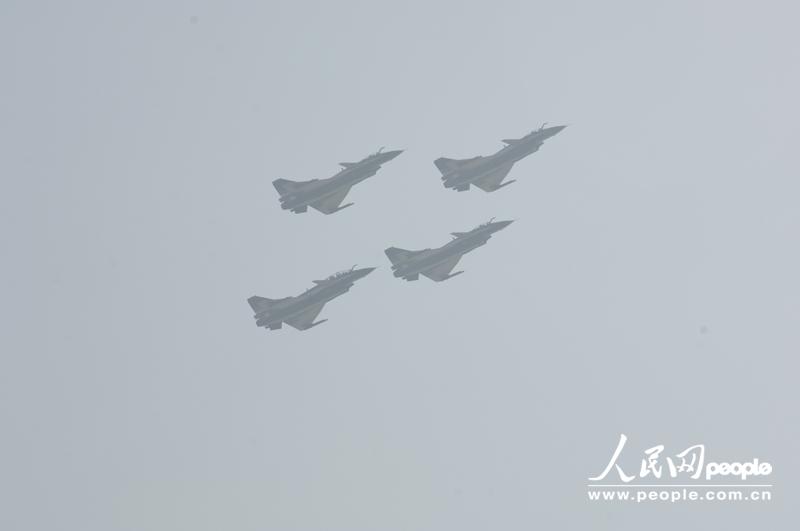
x,y
326,195
436,264
300,311
487,173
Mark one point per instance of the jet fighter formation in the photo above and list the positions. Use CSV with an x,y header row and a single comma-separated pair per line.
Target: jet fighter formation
x,y
327,195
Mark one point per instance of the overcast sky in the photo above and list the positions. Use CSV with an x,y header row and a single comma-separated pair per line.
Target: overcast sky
x,y
649,287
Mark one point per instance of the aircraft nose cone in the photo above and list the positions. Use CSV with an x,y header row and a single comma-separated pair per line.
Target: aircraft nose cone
x,y
392,154
364,271
500,225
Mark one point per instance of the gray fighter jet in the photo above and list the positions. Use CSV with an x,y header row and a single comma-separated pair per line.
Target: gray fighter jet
x,y
436,264
487,173
300,311
326,195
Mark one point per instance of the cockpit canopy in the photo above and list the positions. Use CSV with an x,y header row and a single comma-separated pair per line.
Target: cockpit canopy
x,y
486,224
541,128
365,159
372,155
340,274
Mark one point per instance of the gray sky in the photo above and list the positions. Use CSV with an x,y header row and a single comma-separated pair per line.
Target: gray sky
x,y
649,287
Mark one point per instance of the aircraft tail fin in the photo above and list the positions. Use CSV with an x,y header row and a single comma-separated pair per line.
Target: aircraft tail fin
x,y
259,304
446,165
397,255
285,186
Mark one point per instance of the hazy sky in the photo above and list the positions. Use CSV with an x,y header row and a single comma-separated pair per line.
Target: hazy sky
x,y
650,285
